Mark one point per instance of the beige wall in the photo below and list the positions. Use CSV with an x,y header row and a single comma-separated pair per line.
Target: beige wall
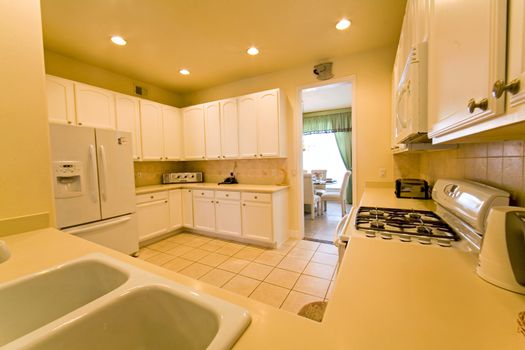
x,y
248,171
372,71
25,183
73,69
498,164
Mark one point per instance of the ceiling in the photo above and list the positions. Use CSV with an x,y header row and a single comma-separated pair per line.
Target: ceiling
x,y
327,97
210,37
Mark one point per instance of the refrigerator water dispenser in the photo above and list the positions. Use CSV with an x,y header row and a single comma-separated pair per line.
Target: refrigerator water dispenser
x,y
68,179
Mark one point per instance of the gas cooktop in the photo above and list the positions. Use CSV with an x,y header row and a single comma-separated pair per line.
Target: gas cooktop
x,y
407,224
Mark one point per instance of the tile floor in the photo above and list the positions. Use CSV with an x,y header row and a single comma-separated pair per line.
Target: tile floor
x,y
296,274
323,226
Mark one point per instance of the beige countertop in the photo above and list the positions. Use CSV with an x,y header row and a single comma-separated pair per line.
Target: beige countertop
x,y
388,295
211,186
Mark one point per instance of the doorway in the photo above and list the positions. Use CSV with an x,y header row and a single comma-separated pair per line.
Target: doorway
x,y
326,157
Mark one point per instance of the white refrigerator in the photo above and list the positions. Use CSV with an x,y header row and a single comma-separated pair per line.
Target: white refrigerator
x,y
94,185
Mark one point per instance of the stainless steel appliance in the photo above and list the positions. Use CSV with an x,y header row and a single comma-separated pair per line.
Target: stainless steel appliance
x,y
502,256
459,221
412,188
172,178
93,184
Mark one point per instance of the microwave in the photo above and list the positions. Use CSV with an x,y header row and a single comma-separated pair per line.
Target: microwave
x,y
410,104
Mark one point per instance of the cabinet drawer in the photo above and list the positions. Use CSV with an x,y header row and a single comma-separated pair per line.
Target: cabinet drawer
x,y
227,195
203,193
150,197
256,197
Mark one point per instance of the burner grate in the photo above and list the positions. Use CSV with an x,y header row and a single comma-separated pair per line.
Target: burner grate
x,y
402,221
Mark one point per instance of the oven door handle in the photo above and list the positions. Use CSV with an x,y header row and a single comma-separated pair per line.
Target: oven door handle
x,y
341,228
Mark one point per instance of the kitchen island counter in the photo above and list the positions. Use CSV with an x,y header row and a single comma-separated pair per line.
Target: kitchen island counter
x,y
388,295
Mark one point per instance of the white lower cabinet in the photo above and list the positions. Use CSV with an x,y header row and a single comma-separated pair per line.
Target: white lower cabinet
x,y
203,213
187,207
175,204
245,216
257,220
153,215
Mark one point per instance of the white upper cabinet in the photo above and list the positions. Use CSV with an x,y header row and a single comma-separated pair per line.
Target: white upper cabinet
x,y
128,119
268,123
193,132
212,130
172,126
248,126
516,60
60,100
95,106
229,128
262,125
466,57
152,130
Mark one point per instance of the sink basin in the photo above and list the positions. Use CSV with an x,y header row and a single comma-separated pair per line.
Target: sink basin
x,y
33,301
99,302
146,318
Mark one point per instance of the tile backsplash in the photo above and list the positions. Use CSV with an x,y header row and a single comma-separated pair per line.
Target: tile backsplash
x,y
247,171
498,164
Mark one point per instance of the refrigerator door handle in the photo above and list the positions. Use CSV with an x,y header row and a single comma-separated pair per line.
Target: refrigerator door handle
x,y
98,226
104,171
93,177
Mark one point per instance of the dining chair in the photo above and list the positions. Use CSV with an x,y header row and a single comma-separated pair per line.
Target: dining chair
x,y
310,198
338,197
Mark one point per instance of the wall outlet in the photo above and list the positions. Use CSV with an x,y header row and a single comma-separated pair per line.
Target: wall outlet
x,y
382,172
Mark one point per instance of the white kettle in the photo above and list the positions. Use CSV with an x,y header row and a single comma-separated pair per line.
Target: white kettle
x,y
502,255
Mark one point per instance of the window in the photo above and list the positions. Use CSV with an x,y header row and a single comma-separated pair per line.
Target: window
x,y
320,152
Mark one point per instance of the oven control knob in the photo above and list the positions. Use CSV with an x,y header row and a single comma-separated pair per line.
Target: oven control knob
x,y
405,238
443,242
370,234
424,240
386,235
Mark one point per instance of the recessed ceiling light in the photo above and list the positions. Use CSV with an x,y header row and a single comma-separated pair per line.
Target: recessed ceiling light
x,y
184,71
118,40
252,51
343,24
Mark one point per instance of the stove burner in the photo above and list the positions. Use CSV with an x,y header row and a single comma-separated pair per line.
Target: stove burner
x,y
377,224
376,212
424,229
414,216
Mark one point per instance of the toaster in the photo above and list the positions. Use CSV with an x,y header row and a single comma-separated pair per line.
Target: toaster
x,y
412,188
173,178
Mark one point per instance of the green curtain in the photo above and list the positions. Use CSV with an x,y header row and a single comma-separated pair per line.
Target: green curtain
x,y
327,121
338,122
344,144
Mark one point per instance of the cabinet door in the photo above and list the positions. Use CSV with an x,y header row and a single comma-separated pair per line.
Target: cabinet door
x,y
516,47
268,123
204,213
212,127
175,204
229,129
187,208
193,132
172,126
228,217
60,100
128,119
152,219
248,126
257,221
95,106
151,130
466,57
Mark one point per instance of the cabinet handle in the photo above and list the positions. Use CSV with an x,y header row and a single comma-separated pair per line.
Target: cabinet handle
x,y
499,87
472,105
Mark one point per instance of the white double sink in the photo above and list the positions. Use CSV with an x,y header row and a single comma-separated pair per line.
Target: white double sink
x,y
98,302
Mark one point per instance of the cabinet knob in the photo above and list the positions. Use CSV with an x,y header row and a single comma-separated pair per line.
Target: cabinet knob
x,y
227,195
212,202
255,155
223,156
472,105
161,158
79,123
243,204
69,121
165,201
219,157
499,88
203,157
255,197
260,155
151,197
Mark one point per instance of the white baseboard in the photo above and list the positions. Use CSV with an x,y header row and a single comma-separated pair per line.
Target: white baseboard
x,y
295,234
